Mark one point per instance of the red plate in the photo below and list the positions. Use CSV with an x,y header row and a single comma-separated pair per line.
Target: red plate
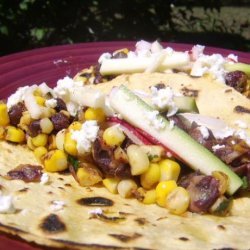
x,y
52,63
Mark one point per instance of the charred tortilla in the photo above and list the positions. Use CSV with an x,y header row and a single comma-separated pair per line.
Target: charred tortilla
x,y
76,226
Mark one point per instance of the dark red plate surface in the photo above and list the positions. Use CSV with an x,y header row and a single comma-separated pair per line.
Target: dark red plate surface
x,y
52,63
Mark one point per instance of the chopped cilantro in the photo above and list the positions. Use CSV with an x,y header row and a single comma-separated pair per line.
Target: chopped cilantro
x,y
74,162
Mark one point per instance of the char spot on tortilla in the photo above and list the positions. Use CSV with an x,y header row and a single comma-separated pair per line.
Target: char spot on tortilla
x,y
221,227
162,218
141,221
241,109
125,238
23,190
184,239
227,90
52,224
67,185
190,92
95,201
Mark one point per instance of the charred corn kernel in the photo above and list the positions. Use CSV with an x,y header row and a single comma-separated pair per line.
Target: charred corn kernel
x,y
170,170
177,201
46,125
2,133
94,114
113,136
40,140
40,100
60,137
151,176
88,175
75,126
223,181
120,155
29,143
126,187
51,142
55,161
14,134
154,152
4,116
162,190
138,160
149,197
39,152
111,184
70,145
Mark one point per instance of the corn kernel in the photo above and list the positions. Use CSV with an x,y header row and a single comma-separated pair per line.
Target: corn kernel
x,y
2,133
113,136
223,181
126,187
29,143
40,140
4,116
170,170
88,175
52,142
149,197
40,100
39,152
162,190
60,138
111,184
55,161
46,125
95,114
25,121
154,152
177,201
75,126
151,176
70,145
138,159
14,134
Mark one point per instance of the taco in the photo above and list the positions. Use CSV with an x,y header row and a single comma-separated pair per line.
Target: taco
x,y
138,162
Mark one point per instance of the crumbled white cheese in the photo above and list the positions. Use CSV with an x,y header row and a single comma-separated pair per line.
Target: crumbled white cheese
x,y
85,136
204,131
95,211
163,98
51,103
223,133
154,120
212,64
217,147
240,124
44,178
17,97
6,204
64,89
103,57
57,205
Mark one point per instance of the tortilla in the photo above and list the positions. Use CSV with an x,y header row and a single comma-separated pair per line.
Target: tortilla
x,y
212,98
139,226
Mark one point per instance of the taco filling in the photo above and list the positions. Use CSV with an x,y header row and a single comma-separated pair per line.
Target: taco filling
x,y
155,146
